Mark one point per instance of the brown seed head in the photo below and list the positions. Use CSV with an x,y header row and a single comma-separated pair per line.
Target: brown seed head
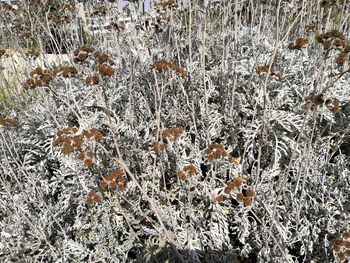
x,y
93,198
301,42
240,197
219,198
341,59
248,201
335,106
106,70
250,192
182,175
262,69
93,80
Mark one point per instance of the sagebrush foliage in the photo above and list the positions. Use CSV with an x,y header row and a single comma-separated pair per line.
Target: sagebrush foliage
x,y
208,132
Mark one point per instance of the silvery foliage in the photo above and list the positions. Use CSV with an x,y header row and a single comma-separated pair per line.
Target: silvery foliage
x,y
301,200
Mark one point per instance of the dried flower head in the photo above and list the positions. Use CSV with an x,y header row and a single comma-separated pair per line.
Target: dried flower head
x,y
174,133
93,134
87,48
339,43
158,147
67,147
165,65
37,71
115,179
186,172
182,175
240,197
8,122
248,200
106,70
68,71
219,198
190,169
313,107
88,162
327,44
346,235
250,192
301,43
227,190
29,84
341,59
319,99
92,198
93,80
234,161
101,57
262,69
46,78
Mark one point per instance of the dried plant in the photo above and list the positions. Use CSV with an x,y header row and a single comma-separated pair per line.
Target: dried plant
x,y
190,133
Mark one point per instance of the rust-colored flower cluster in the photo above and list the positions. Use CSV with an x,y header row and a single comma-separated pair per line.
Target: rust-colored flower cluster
x,y
104,64
333,39
39,77
342,58
237,182
299,43
82,53
165,65
186,171
158,147
172,133
67,72
113,180
215,151
93,80
101,58
263,70
313,101
4,121
93,198
93,134
246,198
342,246
70,141
106,70
87,158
